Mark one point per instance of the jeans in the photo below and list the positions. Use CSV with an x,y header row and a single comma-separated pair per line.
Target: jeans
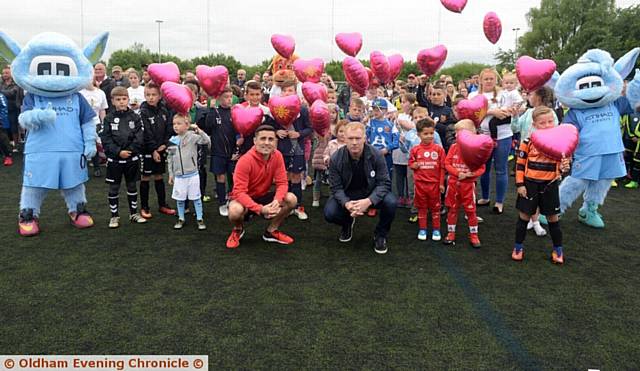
x,y
499,157
337,214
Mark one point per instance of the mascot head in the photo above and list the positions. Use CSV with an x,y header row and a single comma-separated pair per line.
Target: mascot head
x,y
595,80
282,69
51,64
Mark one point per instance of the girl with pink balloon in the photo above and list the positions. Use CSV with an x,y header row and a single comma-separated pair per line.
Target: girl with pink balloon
x,y
499,157
318,161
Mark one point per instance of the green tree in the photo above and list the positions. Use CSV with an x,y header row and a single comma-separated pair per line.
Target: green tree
x,y
506,59
461,71
626,31
563,30
219,59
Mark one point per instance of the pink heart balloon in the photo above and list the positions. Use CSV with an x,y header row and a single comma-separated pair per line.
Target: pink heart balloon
x,y
283,44
349,43
534,73
455,6
380,66
313,91
492,27
373,80
162,72
474,148
396,62
556,142
474,109
320,118
246,119
212,79
356,74
285,109
177,96
308,69
430,60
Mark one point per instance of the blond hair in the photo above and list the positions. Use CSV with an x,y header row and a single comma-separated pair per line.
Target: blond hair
x,y
465,124
354,125
540,111
495,87
182,119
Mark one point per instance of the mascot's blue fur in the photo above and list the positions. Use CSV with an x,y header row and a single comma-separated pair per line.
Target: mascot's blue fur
x,y
592,89
61,134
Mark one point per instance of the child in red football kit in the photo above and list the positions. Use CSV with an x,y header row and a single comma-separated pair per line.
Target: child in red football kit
x,y
461,190
427,162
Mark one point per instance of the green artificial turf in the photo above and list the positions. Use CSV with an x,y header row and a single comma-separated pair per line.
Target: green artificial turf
x,y
319,304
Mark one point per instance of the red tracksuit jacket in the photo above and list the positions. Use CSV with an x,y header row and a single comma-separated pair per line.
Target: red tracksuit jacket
x,y
254,176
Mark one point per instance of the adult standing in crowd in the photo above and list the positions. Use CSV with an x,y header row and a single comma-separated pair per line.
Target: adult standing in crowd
x,y
14,95
359,180
499,158
241,78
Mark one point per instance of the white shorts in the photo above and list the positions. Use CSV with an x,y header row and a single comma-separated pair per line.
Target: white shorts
x,y
186,188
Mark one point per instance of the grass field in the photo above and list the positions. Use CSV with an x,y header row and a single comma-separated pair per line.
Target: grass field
x,y
147,289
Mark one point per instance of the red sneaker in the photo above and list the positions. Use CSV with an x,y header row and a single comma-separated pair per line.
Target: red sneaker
x,y
8,161
167,210
557,257
372,212
234,238
450,239
517,255
278,237
146,214
474,240
81,220
28,223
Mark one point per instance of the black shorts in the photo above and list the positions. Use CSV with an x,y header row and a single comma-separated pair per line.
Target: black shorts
x,y
262,200
295,164
150,167
543,195
117,168
221,165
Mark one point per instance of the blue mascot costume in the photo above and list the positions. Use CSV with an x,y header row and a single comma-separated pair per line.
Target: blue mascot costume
x,y
592,90
60,124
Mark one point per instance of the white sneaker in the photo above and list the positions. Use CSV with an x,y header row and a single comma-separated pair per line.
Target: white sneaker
x,y
315,203
224,210
114,222
540,231
137,218
530,225
300,213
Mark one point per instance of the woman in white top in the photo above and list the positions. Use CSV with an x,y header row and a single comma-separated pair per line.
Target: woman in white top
x,y
136,91
500,155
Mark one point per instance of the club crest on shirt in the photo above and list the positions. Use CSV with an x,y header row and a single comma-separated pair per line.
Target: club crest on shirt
x,y
132,125
373,173
434,155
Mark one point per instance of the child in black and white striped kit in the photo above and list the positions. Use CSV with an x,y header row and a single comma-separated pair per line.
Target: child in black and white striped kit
x,y
183,167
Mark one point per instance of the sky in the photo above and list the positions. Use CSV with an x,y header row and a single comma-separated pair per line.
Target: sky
x,y
243,28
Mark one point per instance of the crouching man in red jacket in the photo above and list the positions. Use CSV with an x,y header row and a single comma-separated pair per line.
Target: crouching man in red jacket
x,y
255,172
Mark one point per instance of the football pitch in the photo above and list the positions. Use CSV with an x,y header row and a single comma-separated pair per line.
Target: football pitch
x,y
320,304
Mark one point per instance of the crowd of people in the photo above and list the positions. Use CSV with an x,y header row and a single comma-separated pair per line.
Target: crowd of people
x,y
393,147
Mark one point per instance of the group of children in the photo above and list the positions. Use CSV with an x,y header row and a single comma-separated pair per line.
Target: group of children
x,y
417,137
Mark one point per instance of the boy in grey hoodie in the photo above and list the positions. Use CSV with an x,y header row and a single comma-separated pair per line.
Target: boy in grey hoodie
x,y
183,167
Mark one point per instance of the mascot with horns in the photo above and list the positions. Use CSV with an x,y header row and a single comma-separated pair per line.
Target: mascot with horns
x,y
60,124
592,90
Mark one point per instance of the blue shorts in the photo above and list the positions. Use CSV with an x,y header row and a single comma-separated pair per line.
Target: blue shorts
x,y
221,165
610,166
54,170
295,164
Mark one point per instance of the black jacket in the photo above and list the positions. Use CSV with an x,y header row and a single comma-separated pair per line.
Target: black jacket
x,y
122,130
217,124
157,124
375,169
